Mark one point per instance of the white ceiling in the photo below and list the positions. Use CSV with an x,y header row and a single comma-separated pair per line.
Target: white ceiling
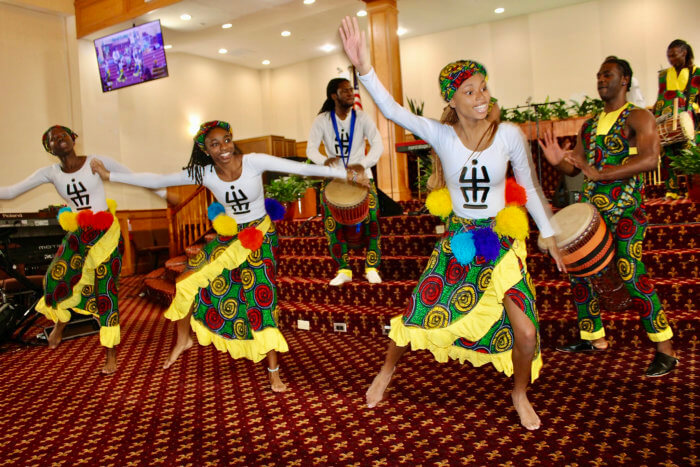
x,y
257,24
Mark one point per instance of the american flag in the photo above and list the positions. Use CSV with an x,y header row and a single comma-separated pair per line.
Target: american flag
x,y
357,105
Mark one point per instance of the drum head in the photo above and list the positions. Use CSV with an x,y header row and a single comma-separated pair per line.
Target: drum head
x,y
570,223
686,124
345,194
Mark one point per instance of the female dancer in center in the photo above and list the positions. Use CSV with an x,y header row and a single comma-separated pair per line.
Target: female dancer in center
x,y
475,299
228,293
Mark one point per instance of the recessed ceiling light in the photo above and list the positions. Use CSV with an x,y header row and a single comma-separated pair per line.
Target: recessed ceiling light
x,y
362,13
222,51
401,31
285,33
168,46
327,47
226,26
499,10
185,17
309,2
266,62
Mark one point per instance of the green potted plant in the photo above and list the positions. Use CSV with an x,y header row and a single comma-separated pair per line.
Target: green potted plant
x,y
290,190
687,161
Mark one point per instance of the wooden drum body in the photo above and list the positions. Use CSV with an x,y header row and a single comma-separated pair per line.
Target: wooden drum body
x,y
588,249
684,129
348,203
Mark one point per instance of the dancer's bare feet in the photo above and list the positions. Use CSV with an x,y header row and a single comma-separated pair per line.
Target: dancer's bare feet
x,y
180,346
528,417
276,382
375,393
56,335
111,363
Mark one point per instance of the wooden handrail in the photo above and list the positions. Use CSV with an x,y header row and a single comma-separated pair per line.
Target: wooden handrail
x,y
188,222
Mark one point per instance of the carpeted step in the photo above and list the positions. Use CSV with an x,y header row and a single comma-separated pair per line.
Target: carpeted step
x,y
174,267
159,290
659,263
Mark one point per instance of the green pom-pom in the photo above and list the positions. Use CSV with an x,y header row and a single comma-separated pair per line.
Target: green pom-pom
x,y
439,203
511,221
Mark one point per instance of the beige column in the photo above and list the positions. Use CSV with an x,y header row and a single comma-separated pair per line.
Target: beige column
x,y
392,174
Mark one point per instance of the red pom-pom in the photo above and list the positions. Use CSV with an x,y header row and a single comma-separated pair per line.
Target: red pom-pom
x,y
250,238
84,218
102,220
515,193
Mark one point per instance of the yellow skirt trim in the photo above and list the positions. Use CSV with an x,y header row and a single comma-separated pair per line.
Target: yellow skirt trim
x,y
253,349
186,289
480,319
664,335
591,336
110,336
97,255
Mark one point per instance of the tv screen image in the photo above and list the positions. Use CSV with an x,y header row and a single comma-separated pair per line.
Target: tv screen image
x,y
131,56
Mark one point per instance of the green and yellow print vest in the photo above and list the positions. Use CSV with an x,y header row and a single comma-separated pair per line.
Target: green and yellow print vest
x,y
611,197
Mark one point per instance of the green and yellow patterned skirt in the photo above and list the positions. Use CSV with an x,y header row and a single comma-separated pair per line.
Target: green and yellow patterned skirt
x,y
457,311
232,293
84,276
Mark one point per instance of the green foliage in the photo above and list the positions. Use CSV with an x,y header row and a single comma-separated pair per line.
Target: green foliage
x,y
287,189
687,161
553,110
415,107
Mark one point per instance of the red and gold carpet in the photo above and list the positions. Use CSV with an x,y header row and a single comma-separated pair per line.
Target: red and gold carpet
x,y
56,408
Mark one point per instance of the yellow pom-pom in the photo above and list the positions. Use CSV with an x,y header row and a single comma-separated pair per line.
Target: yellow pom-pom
x,y
439,203
68,221
511,221
112,206
225,226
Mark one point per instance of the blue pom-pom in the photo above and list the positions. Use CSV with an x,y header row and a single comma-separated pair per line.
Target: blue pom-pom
x,y
62,210
462,245
214,210
487,243
274,209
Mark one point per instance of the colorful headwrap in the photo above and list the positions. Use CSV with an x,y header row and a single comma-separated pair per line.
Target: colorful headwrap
x,y
455,73
45,136
205,128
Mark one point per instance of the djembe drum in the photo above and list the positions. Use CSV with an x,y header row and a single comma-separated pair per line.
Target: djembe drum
x,y
684,129
588,249
347,202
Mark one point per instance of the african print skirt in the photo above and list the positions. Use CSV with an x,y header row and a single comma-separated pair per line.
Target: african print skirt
x,y
232,292
84,276
457,311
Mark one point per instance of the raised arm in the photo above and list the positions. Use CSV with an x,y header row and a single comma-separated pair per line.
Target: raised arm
x,y
34,180
355,48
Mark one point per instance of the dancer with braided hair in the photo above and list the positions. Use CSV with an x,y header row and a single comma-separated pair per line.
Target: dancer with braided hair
x,y
228,294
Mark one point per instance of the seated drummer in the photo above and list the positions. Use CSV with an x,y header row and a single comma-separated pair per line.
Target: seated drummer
x,y
613,150
343,131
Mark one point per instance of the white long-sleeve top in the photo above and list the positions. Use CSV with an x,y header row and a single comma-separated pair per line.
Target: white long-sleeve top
x,y
244,198
476,181
80,190
322,130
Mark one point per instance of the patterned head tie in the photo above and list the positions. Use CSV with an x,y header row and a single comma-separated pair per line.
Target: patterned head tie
x,y
205,128
45,136
455,73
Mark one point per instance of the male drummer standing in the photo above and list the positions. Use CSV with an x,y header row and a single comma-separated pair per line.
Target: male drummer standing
x,y
343,131
613,150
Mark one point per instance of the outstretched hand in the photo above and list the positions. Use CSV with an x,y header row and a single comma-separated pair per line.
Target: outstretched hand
x,y
355,45
551,149
99,168
554,251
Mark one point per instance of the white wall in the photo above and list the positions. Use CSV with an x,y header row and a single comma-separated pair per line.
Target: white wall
x,y
48,77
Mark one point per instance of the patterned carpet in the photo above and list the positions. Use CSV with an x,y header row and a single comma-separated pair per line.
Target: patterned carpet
x,y
208,409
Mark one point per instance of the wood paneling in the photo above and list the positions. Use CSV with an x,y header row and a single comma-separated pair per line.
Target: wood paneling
x,y
270,144
93,15
138,220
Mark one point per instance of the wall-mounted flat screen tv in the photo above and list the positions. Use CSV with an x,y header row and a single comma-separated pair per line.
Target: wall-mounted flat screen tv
x,y
131,56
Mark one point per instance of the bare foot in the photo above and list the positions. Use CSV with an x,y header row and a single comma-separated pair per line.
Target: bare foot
x,y
375,393
177,350
56,335
528,417
111,363
276,382
600,344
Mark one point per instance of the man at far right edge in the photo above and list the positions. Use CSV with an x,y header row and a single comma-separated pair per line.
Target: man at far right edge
x,y
613,150
680,84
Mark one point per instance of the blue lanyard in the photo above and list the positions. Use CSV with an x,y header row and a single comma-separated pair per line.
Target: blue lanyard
x,y
344,157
